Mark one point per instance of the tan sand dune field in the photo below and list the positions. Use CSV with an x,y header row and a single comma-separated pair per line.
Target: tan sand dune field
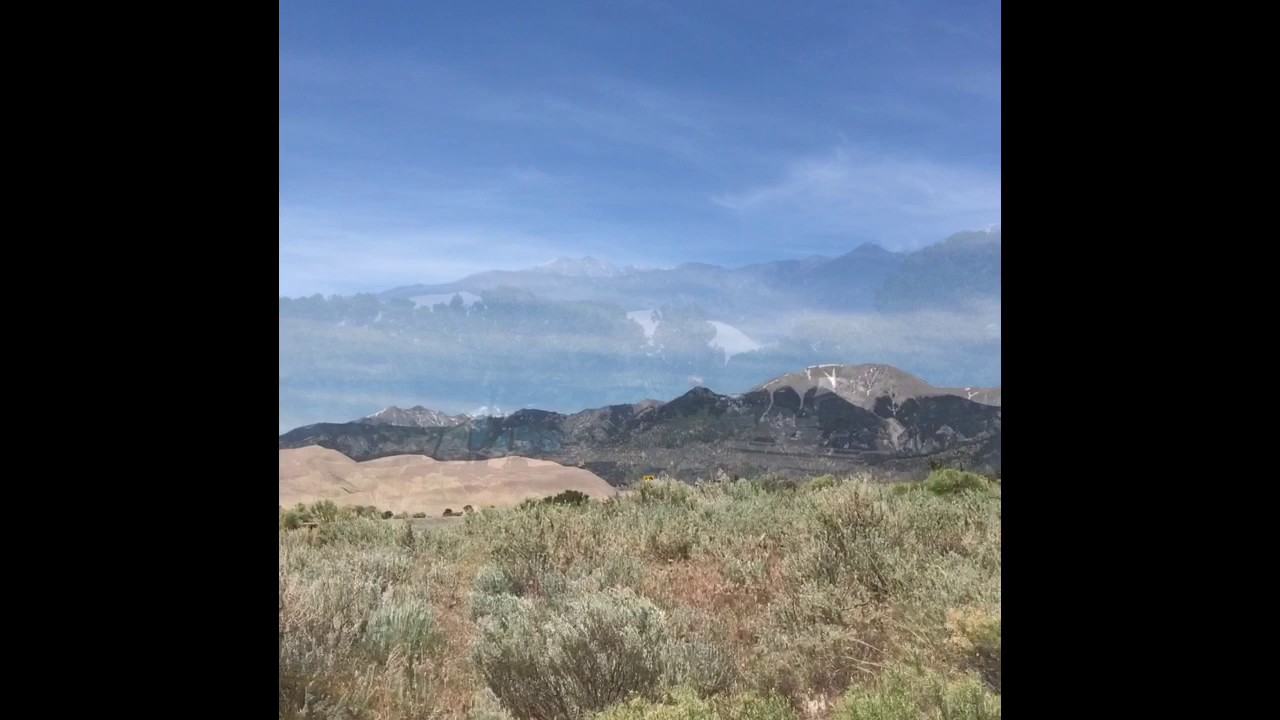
x,y
417,483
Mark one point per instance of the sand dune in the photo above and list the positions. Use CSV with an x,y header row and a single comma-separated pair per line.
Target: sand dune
x,y
417,483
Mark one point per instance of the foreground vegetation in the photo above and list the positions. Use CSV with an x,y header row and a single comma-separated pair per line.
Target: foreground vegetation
x,y
747,600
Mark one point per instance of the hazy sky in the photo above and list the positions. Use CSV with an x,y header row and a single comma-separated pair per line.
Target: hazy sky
x,y
420,142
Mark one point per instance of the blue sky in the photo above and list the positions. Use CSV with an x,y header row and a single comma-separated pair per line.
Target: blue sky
x,y
421,142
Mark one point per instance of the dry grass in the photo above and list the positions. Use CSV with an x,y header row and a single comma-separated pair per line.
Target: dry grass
x,y
836,600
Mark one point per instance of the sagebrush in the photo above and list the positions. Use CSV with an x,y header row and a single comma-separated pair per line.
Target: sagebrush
x,y
743,599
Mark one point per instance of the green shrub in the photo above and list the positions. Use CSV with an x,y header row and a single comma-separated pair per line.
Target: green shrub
x,y
799,659
852,539
903,488
566,660
526,566
757,707
822,482
903,694
699,665
747,570
324,511
975,636
681,704
387,514
320,624
290,520
533,575
408,624
568,497
774,483
363,534
666,492
672,536
419,514
486,706
685,704
303,512
949,481
892,703
489,584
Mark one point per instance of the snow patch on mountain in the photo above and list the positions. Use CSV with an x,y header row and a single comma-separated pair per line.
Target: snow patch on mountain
x,y
647,319
731,340
581,267
728,338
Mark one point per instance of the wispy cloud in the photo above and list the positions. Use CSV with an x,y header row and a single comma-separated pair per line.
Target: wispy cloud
x,y
925,331
343,253
856,190
447,165
602,117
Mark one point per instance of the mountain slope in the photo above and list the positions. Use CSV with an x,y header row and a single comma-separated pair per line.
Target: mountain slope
x,y
959,270
416,416
865,385
791,425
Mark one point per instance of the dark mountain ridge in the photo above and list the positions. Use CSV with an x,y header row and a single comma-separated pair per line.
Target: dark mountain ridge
x,y
871,415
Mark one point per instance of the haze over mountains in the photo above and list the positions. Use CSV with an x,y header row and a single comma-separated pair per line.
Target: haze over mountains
x,y
584,333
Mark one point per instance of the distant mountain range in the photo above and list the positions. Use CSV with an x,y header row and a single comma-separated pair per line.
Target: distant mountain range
x,y
853,281
416,416
827,418
584,267
578,332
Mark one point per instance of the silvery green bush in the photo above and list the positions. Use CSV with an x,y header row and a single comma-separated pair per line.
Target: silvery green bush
x,y
572,658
